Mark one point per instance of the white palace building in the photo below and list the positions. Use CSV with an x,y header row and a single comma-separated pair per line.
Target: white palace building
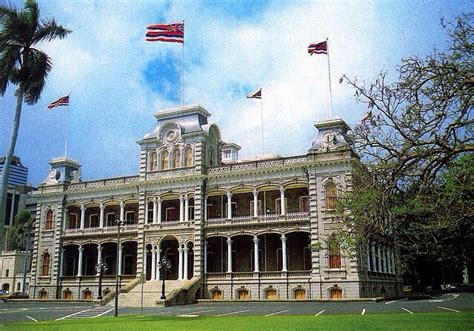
x,y
255,229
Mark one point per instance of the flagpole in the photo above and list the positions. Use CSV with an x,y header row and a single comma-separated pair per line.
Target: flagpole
x,y
329,77
67,127
261,119
182,70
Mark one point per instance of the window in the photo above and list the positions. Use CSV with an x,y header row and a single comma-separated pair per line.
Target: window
x,y
18,287
67,294
73,221
130,217
271,294
165,160
303,204
278,205
227,154
45,265
217,295
94,221
171,215
188,157
7,272
49,220
87,294
243,295
331,195
336,293
176,159
110,219
334,253
153,161
300,294
150,212
43,295
259,207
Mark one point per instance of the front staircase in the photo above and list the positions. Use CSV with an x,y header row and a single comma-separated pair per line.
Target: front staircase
x,y
151,293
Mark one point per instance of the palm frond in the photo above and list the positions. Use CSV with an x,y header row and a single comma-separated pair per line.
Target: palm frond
x,y
49,30
39,65
8,59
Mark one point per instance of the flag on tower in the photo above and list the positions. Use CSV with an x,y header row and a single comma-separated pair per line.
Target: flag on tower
x,y
171,33
62,101
319,48
256,94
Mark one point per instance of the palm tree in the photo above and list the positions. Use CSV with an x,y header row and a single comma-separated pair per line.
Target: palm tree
x,y
24,66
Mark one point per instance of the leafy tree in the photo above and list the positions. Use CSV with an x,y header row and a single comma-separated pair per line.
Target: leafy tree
x,y
15,235
415,145
25,66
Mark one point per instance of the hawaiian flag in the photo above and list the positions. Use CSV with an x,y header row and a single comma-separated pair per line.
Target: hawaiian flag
x,y
256,94
319,48
171,33
62,101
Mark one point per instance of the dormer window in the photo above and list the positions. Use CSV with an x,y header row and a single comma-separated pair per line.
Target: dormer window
x,y
176,158
165,160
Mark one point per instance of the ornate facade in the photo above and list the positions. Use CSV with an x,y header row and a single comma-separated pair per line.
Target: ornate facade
x,y
250,229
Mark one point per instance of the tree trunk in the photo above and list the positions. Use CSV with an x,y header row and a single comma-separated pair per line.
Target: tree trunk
x,y
6,166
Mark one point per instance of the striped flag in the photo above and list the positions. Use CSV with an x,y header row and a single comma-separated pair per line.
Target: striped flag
x,y
63,101
256,94
171,33
319,48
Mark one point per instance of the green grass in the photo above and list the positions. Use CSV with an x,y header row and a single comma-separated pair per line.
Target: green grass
x,y
395,321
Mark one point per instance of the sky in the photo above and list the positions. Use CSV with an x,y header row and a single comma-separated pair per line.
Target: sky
x,y
117,81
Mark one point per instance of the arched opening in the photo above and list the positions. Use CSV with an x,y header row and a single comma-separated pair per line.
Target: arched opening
x,y
176,159
89,259
242,253
49,220
109,255
170,209
335,293
153,161
217,295
188,157
73,213
331,194
243,294
148,252
67,295
299,251
6,288
270,254
92,217
87,294
165,160
300,294
129,258
217,254
70,258
190,260
271,294
45,264
169,249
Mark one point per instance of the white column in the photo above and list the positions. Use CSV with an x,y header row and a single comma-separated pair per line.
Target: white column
x,y
158,216
282,201
229,255
66,220
144,264
181,208
186,208
283,253
122,211
374,260
229,205
255,203
255,254
205,208
61,267
155,210
153,262
157,261
180,262
120,259
185,259
83,215
99,255
101,217
146,212
205,256
79,264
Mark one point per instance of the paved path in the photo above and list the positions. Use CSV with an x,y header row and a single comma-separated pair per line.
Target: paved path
x,y
40,311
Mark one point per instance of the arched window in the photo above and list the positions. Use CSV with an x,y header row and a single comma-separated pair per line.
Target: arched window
x,y
176,159
334,249
335,293
45,265
271,294
49,220
331,195
188,157
217,295
243,294
153,161
87,294
73,224
165,160
300,294
67,294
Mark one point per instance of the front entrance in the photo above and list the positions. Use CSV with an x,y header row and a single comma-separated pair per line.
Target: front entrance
x,y
300,294
336,293
243,295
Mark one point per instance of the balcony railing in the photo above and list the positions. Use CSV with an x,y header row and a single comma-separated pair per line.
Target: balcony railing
x,y
291,216
261,274
253,165
103,183
104,230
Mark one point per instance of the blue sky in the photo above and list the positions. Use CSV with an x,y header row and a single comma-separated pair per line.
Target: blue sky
x,y
118,81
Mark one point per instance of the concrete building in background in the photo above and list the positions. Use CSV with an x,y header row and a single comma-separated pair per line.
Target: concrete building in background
x,y
238,229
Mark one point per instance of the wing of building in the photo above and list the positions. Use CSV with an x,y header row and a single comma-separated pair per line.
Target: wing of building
x,y
215,227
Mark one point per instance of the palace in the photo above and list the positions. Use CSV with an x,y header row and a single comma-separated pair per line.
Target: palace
x,y
210,224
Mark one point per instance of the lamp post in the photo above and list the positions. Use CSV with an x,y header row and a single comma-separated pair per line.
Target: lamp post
x,y
117,272
164,265
101,266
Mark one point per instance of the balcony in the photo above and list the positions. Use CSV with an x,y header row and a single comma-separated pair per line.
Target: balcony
x,y
269,218
128,228
262,275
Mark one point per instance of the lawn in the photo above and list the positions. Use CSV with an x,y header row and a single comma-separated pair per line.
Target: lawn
x,y
420,321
